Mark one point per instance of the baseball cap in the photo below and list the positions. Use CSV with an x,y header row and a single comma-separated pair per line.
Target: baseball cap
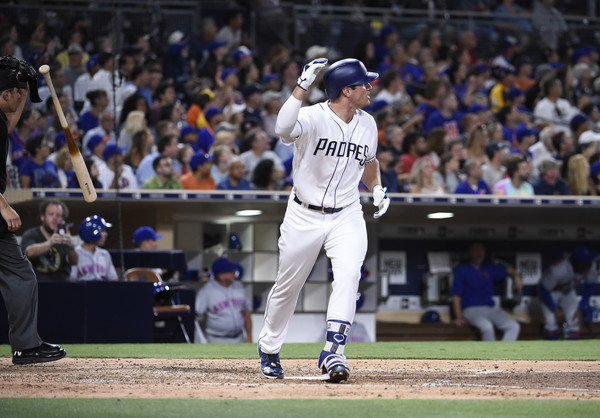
x,y
476,108
224,265
268,77
176,37
225,126
211,112
543,69
95,140
111,150
198,159
523,132
316,51
500,72
250,89
577,121
144,233
241,52
215,44
492,147
515,92
187,129
91,62
59,140
583,255
387,30
269,95
588,137
74,49
226,72
579,53
510,41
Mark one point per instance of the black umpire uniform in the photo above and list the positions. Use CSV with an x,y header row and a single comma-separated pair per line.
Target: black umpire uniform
x,y
18,282
17,278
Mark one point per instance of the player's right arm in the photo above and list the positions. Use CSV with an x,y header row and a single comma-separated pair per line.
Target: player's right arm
x,y
287,126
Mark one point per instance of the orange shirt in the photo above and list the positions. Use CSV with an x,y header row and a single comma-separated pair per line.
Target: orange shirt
x,y
195,117
190,182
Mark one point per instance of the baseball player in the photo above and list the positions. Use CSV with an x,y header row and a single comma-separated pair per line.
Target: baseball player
x,y
18,283
472,296
95,263
558,290
334,150
222,304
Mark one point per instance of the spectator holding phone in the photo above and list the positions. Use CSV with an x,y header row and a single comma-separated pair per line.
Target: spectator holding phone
x,y
49,247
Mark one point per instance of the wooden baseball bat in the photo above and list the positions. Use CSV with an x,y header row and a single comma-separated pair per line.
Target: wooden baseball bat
x,y
81,171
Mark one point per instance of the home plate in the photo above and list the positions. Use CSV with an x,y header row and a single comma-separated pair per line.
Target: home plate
x,y
302,378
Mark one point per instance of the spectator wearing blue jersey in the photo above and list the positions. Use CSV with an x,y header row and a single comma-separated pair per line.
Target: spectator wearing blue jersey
x,y
38,171
447,117
472,296
235,180
525,138
474,183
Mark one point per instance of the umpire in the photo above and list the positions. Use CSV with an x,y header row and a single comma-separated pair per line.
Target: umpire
x,y
18,282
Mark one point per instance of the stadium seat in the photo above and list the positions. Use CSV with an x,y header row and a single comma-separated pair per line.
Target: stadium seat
x,y
164,305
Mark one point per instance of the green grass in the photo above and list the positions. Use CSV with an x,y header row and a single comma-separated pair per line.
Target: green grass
x,y
293,408
584,350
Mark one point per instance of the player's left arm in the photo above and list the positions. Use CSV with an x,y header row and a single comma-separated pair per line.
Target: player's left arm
x,y
372,179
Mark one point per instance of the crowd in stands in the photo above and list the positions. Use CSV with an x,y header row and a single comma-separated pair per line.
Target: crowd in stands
x,y
200,113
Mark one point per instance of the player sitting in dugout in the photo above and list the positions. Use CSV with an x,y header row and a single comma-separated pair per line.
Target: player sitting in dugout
x,y
222,306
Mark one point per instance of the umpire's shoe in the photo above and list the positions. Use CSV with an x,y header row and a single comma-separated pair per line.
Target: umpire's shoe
x,y
42,354
333,367
270,365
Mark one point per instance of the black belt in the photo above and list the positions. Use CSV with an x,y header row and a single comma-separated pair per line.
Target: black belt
x,y
317,208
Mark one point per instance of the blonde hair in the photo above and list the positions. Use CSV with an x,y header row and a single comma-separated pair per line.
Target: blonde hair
x,y
135,121
61,157
476,142
225,138
415,172
577,175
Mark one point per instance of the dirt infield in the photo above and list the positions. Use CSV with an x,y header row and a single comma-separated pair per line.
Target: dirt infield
x,y
241,379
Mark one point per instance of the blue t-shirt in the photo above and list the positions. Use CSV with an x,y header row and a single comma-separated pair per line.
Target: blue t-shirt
x,y
542,187
475,285
451,124
226,185
45,175
88,121
465,188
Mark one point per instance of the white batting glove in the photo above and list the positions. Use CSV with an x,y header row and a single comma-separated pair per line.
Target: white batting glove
x,y
310,71
381,200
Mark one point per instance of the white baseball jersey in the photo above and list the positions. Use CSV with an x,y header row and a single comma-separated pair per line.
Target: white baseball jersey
x,y
330,155
560,277
93,266
329,160
127,180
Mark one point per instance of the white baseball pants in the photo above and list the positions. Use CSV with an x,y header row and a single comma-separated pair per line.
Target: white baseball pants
x,y
304,232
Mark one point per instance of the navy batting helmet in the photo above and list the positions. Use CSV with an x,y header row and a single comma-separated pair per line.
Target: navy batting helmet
x,y
90,228
344,73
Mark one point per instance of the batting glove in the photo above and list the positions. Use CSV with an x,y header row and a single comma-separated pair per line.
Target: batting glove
x,y
310,71
381,200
